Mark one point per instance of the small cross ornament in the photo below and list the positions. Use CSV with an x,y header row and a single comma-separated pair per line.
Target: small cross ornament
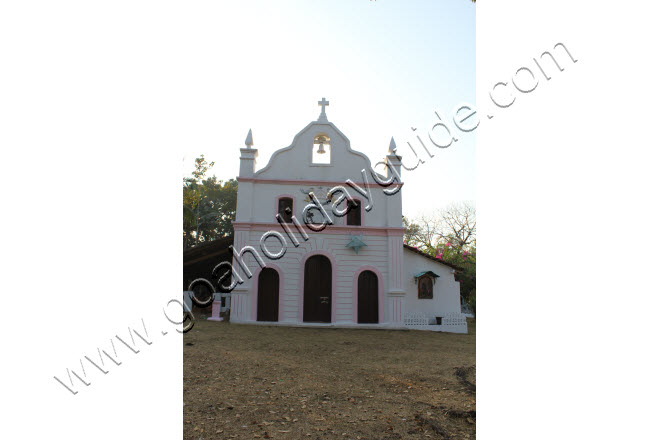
x,y
322,104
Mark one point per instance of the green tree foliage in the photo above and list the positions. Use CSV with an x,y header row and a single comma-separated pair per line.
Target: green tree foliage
x,y
209,205
466,259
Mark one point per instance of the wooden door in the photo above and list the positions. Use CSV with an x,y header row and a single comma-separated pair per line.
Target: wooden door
x,y
268,295
367,298
317,297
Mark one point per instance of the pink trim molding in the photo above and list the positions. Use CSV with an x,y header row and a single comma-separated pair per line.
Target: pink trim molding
x,y
330,229
241,226
309,182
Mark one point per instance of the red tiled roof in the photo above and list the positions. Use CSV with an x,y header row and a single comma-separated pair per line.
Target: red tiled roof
x,y
424,254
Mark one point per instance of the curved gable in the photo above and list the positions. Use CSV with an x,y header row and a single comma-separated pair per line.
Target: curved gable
x,y
295,161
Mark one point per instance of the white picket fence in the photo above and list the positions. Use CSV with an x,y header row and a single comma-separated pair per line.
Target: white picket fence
x,y
417,318
451,322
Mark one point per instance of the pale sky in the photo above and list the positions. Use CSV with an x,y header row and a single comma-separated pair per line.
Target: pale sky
x,y
384,66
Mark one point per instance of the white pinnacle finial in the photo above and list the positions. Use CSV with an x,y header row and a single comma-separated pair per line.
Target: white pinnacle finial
x,y
323,103
248,139
392,148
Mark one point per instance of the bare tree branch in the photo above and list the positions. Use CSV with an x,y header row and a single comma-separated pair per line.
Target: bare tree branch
x,y
455,224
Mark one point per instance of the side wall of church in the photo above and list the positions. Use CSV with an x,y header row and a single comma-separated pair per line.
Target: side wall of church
x,y
446,291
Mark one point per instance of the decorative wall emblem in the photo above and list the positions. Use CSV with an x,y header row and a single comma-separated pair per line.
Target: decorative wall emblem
x,y
320,192
356,242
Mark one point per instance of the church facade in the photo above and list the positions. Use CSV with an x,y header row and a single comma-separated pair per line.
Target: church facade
x,y
318,241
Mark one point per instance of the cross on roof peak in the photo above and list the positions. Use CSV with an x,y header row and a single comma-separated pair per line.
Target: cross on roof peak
x,y
323,103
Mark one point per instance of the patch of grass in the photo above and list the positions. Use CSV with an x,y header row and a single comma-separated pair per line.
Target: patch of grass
x,y
244,381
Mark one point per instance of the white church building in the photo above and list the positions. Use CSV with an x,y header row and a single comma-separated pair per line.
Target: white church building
x,y
318,241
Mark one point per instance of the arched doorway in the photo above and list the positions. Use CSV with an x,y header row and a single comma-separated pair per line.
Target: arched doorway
x,y
317,297
268,295
367,298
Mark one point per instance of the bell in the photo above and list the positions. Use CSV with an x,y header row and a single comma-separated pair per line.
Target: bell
x,y
321,150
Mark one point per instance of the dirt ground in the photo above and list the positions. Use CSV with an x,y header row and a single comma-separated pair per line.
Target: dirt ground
x,y
246,382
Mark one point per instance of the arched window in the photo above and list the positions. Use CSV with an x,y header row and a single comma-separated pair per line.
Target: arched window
x,y
354,215
285,209
321,149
